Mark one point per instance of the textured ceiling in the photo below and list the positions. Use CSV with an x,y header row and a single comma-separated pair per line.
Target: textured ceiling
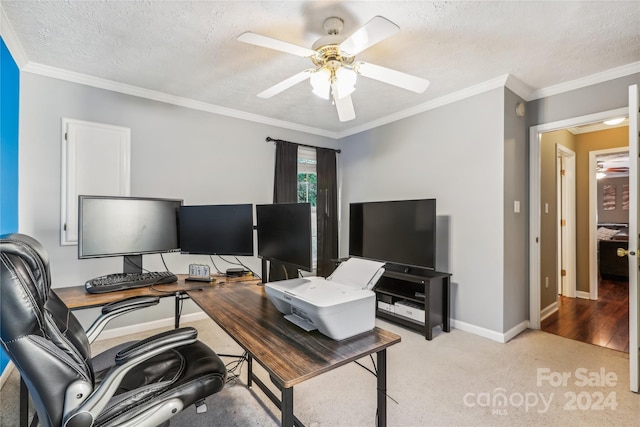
x,y
188,49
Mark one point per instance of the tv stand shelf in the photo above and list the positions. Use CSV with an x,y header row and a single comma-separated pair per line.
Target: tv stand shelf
x,y
418,291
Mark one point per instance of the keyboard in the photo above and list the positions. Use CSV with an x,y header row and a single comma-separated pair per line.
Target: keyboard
x,y
121,281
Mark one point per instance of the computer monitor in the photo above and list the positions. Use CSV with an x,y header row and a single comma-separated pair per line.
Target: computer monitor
x,y
284,234
111,226
216,229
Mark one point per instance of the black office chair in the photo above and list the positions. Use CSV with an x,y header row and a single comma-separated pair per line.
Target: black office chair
x,y
143,383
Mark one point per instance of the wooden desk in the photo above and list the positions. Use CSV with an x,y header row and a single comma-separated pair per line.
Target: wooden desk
x,y
289,354
76,297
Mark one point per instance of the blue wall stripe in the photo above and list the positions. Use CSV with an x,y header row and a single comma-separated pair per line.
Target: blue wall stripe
x,y
9,102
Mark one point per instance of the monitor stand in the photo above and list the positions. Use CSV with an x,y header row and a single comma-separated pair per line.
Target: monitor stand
x,y
132,264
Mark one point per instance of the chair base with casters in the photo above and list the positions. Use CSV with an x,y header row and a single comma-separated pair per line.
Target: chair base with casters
x,y
143,383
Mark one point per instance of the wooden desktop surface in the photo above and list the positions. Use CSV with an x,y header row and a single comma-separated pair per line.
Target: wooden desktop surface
x,y
76,297
290,354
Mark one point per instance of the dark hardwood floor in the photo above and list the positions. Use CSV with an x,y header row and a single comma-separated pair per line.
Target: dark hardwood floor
x,y
604,322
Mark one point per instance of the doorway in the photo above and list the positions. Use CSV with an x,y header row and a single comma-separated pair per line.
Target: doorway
x,y
603,305
541,209
594,308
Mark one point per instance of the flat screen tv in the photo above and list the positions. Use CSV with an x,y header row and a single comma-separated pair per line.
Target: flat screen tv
x,y
400,232
284,234
127,226
216,229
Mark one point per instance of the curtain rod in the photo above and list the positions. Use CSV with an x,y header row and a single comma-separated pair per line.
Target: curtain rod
x,y
269,139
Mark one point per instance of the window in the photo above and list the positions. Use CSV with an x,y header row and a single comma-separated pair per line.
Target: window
x,y
307,190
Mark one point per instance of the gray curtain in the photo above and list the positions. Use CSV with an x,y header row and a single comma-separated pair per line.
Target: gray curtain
x,y
285,184
327,211
285,190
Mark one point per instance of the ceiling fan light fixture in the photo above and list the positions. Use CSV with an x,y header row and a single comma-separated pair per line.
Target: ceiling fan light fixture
x,y
335,69
321,83
345,82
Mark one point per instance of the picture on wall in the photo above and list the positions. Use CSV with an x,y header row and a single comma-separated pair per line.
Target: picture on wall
x,y
625,197
608,197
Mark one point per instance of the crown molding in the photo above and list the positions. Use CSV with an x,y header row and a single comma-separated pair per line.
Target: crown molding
x,y
611,74
518,87
127,89
11,40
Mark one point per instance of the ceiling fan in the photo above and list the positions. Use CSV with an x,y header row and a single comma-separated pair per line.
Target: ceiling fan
x,y
335,68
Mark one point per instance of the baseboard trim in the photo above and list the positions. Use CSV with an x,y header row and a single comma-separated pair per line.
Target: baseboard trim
x,y
487,333
148,326
516,330
583,295
548,310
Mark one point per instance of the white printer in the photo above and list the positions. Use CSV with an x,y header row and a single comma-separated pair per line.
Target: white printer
x,y
340,306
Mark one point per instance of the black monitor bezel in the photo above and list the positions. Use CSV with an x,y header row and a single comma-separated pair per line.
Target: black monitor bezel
x,y
308,264
83,197
248,207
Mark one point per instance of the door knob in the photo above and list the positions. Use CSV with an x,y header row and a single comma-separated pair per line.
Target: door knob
x,y
621,252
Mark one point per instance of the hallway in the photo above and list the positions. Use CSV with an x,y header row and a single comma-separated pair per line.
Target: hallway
x,y
604,322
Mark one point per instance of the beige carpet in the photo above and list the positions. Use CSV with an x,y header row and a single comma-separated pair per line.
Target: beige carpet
x,y
458,379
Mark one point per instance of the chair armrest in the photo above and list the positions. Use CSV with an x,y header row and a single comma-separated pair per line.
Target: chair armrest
x,y
117,308
181,336
88,411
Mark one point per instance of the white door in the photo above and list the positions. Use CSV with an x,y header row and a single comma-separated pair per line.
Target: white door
x,y
567,221
634,218
95,161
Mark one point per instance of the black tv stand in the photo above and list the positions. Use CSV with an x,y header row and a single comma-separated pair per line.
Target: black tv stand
x,y
417,290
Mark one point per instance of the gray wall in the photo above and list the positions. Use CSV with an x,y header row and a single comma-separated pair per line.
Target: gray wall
x,y
200,157
516,289
454,154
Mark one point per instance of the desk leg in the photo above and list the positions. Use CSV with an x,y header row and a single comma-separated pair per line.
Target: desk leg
x,y
382,388
287,407
177,311
24,404
249,370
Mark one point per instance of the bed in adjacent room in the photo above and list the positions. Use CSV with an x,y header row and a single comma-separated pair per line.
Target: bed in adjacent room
x,y
610,238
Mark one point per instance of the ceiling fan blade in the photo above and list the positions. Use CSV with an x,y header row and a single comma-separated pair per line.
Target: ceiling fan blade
x,y
374,31
345,109
393,77
268,42
286,84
